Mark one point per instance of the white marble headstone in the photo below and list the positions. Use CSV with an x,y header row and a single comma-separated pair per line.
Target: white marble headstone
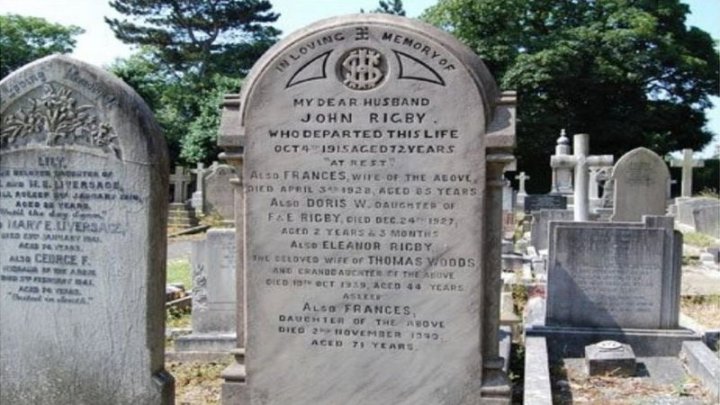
x,y
83,185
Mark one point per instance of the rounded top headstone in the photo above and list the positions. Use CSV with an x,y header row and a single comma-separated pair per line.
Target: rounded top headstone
x,y
412,55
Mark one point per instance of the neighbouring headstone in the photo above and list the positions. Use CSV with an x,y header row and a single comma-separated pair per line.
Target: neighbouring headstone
x,y
541,225
373,217
707,219
685,207
83,198
536,202
614,275
219,192
687,163
214,301
640,179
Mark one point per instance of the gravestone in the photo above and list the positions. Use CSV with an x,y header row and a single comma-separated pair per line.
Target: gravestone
x,y
687,163
536,202
219,192
541,225
83,186
614,275
686,206
640,179
373,217
214,298
707,219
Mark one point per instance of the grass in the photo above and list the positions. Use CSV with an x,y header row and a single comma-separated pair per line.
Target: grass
x,y
705,309
178,271
698,239
197,383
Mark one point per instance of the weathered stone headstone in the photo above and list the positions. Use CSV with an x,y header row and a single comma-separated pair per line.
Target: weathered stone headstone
x,y
686,206
687,163
707,219
614,275
213,294
541,225
373,217
536,202
219,192
83,203
640,179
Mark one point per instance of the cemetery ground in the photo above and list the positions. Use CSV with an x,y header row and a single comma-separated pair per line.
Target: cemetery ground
x,y
200,382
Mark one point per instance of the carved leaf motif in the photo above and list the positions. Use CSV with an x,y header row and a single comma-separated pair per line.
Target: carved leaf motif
x,y
57,116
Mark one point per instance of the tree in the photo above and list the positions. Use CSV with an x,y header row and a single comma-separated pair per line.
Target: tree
x,y
24,39
628,72
193,51
394,7
199,37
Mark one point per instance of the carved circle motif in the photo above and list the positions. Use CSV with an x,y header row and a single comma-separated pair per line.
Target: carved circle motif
x,y
609,346
362,68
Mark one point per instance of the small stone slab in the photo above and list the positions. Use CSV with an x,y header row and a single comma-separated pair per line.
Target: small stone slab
x,y
610,358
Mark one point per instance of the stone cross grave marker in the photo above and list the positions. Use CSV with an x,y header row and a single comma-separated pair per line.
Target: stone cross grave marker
x,y
687,163
198,196
373,256
581,161
522,177
180,181
83,198
640,179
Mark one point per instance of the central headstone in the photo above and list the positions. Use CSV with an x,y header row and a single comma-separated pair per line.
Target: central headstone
x,y
374,152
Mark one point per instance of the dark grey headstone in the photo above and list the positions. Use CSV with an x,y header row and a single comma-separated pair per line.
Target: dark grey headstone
x,y
541,225
614,275
536,202
83,184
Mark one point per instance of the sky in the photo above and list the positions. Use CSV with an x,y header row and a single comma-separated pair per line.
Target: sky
x,y
99,46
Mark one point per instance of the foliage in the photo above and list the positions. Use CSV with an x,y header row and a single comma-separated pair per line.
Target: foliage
x,y
24,39
192,52
178,271
394,7
698,239
199,37
628,72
